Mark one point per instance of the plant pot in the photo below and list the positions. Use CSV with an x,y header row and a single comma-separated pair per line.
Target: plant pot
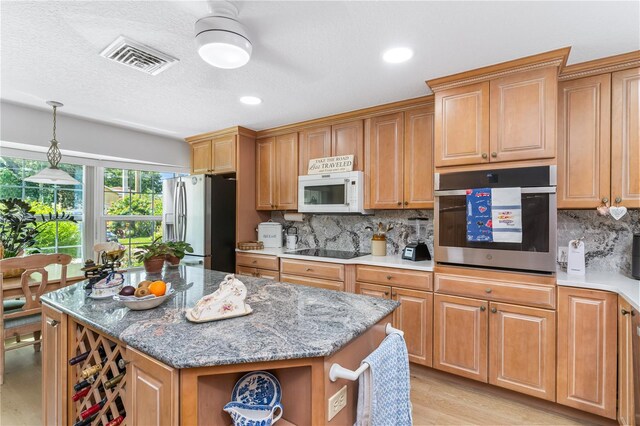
x,y
172,260
154,264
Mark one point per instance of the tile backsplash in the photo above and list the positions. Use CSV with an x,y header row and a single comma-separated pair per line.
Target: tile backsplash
x,y
607,241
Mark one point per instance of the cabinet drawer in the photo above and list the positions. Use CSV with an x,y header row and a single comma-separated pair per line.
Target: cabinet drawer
x,y
329,271
257,261
256,272
313,282
374,290
395,277
501,291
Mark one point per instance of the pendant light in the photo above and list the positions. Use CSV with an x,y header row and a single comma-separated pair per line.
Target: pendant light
x,y
52,174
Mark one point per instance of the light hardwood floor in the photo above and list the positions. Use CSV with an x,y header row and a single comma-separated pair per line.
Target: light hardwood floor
x,y
437,398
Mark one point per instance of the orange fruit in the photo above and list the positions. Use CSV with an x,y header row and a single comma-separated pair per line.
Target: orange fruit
x,y
157,288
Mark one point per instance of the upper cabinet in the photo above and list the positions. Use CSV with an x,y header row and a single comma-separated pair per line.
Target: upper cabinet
x,y
215,152
328,141
501,113
223,149
201,157
399,155
277,173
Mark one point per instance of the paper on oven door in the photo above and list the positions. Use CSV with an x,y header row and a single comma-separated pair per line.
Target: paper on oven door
x,y
506,215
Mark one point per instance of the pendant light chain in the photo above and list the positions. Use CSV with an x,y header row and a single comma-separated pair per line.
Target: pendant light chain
x,y
53,154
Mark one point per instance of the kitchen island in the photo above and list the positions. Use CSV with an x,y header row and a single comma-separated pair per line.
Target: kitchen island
x,y
183,373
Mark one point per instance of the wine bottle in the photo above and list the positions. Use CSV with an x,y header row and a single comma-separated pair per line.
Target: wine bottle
x,y
117,421
94,369
76,359
93,409
84,392
86,422
113,382
85,383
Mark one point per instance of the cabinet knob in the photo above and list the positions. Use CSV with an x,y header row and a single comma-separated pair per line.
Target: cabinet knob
x,y
399,203
618,200
605,200
309,269
52,322
484,155
483,308
386,293
406,203
488,290
494,310
389,277
494,154
394,294
254,262
623,311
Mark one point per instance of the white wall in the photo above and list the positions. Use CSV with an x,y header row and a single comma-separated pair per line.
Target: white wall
x,y
33,128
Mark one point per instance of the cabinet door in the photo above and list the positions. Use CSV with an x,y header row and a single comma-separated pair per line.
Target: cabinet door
x,y
224,154
522,349
287,172
348,139
385,152
523,115
314,143
268,275
626,410
462,125
265,174
584,139
201,157
418,158
152,395
415,318
54,367
586,376
460,336
246,271
374,290
625,138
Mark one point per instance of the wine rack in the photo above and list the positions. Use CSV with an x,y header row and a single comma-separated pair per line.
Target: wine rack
x,y
101,351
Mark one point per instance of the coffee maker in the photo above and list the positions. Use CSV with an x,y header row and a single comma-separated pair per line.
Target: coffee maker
x,y
417,249
635,257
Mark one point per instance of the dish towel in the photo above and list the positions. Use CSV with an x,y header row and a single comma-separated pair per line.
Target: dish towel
x,y
383,391
479,215
506,215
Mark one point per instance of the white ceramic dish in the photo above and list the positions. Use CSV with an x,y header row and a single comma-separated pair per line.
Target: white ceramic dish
x,y
241,314
145,303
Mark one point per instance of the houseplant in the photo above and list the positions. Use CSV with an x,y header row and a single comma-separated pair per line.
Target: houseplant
x,y
152,255
178,250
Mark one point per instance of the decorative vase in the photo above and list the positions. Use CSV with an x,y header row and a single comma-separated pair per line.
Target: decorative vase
x,y
172,260
154,265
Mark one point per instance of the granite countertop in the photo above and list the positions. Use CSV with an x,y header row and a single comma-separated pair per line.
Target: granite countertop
x,y
627,287
289,321
389,261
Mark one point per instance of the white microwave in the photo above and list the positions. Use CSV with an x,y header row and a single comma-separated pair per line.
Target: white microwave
x,y
332,193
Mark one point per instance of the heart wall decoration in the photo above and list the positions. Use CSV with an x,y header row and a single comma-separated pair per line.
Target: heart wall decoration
x,y
617,212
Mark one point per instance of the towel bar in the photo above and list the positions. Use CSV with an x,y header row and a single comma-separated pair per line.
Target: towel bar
x,y
339,372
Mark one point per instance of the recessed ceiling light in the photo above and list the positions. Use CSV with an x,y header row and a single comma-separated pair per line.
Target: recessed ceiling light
x,y
397,55
250,100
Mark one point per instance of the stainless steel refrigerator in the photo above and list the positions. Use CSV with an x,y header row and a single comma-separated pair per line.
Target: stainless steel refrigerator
x,y
201,210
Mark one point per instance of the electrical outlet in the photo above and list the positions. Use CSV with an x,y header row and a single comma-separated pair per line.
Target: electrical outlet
x,y
337,402
562,254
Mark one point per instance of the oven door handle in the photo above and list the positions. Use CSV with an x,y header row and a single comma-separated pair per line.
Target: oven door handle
x,y
346,192
532,190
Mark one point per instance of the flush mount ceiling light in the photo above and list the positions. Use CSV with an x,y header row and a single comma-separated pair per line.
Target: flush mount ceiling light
x,y
250,100
397,55
221,39
53,174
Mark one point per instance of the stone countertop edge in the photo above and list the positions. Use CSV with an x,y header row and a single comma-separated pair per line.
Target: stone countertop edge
x,y
616,282
308,327
389,261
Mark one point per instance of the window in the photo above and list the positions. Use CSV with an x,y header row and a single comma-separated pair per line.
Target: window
x,y
55,236
132,207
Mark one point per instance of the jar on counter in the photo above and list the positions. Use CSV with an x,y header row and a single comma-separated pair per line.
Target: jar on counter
x,y
378,245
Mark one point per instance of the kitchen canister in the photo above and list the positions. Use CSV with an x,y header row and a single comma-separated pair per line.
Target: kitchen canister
x,y
378,245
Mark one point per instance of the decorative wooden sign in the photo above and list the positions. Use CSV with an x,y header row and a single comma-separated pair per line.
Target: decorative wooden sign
x,y
341,163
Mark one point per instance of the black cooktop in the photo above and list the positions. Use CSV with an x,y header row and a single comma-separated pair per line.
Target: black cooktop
x,y
336,254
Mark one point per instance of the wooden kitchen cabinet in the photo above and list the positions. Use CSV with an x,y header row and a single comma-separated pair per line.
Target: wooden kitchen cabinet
x,y
626,377
586,350
625,138
223,149
201,157
152,396
348,139
522,349
584,142
414,317
523,115
314,143
374,290
258,273
277,173
418,158
460,333
258,265
462,125
385,162
54,367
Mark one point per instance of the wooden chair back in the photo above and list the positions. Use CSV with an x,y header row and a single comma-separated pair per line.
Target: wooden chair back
x,y
32,289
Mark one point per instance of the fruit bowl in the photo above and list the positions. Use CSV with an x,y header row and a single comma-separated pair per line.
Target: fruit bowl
x,y
143,303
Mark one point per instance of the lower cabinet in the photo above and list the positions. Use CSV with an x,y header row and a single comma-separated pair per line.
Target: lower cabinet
x,y
257,272
152,396
54,367
327,275
414,317
257,265
586,375
626,405
506,345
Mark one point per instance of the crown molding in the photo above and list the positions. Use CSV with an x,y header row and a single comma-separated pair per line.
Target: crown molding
x,y
235,130
601,66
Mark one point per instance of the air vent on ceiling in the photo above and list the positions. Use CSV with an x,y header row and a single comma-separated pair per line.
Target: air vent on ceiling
x,y
138,56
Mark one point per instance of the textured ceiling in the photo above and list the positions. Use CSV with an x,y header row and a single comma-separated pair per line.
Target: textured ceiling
x,y
309,59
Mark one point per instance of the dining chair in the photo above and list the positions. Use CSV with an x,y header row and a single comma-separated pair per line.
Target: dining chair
x,y
23,316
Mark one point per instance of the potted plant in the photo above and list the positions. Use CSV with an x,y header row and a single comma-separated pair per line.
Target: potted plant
x,y
177,251
152,255
19,228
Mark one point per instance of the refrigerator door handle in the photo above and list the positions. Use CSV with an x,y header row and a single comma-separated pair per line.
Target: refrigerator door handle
x,y
183,213
176,211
